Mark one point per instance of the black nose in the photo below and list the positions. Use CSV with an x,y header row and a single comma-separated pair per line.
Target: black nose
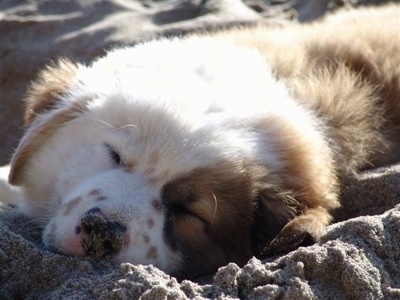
x,y
102,237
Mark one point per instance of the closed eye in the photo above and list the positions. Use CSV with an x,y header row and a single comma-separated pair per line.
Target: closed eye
x,y
115,156
180,210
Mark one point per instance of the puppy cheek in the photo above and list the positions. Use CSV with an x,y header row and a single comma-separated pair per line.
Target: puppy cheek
x,y
60,240
71,245
48,235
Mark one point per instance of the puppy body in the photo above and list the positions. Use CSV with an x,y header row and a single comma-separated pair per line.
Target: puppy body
x,y
193,152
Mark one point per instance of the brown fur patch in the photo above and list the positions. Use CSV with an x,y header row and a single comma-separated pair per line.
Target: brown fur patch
x,y
51,83
157,205
146,239
209,211
154,157
308,172
347,72
35,136
94,193
70,205
130,165
43,96
152,253
97,195
150,223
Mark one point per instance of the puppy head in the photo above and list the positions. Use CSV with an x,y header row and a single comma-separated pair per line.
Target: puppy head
x,y
113,176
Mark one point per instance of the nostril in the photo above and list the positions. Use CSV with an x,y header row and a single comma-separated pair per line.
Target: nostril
x,y
93,210
93,217
103,237
78,229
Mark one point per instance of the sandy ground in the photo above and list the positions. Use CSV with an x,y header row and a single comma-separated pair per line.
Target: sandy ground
x,y
357,258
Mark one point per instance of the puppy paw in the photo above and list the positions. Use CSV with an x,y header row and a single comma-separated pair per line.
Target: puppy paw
x,y
304,230
290,239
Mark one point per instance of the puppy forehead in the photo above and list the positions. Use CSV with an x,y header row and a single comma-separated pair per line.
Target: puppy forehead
x,y
155,119
161,142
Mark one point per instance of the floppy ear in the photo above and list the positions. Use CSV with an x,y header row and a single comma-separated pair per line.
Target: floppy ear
x,y
45,111
44,93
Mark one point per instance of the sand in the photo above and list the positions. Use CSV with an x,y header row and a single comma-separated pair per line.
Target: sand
x,y
357,258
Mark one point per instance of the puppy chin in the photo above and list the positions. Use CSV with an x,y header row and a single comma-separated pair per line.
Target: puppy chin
x,y
71,245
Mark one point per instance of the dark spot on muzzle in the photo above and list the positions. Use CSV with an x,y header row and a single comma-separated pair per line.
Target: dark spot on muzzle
x,y
103,237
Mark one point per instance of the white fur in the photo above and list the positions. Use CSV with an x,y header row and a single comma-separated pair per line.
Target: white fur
x,y
8,194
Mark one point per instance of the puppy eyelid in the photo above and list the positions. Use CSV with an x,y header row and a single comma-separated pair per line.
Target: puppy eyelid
x,y
114,154
184,210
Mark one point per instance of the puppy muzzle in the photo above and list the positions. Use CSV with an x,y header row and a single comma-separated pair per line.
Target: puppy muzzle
x,y
101,237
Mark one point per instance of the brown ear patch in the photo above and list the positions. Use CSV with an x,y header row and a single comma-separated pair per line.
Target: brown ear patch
x,y
36,136
210,210
216,195
44,93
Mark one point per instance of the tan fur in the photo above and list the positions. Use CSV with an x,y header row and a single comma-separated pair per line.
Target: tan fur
x,y
43,95
37,133
217,197
346,67
45,91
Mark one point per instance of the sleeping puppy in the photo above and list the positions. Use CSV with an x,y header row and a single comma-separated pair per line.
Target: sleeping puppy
x,y
189,153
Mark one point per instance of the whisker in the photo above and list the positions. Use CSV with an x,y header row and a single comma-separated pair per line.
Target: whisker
x,y
102,122
125,126
108,125
43,204
215,208
47,208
